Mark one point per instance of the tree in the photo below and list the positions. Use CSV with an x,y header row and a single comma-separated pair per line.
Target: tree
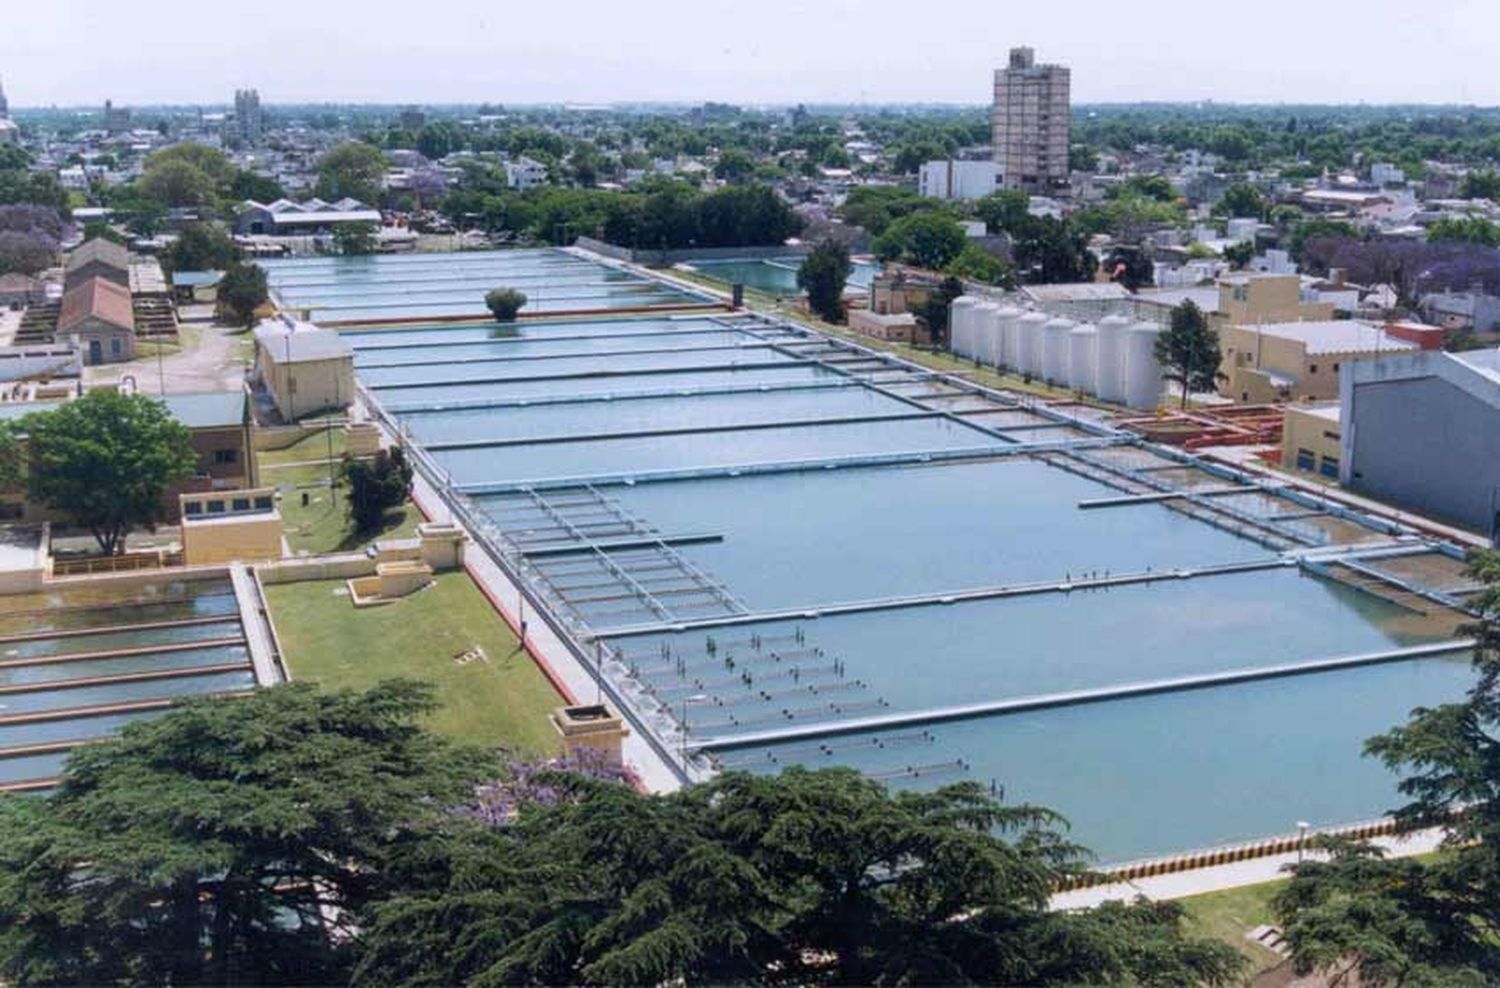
x,y
977,264
1049,251
734,165
1006,210
1188,350
1481,183
1468,230
242,290
351,170
1420,921
106,460
1241,200
354,239
1240,255
215,844
823,275
1130,267
505,303
178,184
27,253
201,247
808,878
935,308
376,486
248,185
927,240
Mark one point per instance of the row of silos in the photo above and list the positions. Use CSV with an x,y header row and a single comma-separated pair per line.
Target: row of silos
x,y
1114,360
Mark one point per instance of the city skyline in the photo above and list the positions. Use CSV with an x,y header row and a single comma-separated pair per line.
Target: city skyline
x,y
72,53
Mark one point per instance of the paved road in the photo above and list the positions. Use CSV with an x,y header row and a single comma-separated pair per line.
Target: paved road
x,y
211,361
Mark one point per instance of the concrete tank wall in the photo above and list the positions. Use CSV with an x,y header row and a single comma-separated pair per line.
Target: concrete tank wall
x,y
1005,351
961,325
986,332
1143,384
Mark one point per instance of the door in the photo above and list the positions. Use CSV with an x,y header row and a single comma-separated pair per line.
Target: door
x,y
96,352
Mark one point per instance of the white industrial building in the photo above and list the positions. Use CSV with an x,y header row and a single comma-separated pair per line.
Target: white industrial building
x,y
958,179
1113,359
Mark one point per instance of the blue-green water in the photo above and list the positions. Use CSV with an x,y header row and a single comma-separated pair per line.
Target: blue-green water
x,y
1137,776
450,285
777,275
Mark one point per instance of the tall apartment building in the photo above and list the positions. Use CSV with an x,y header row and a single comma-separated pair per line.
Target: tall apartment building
x,y
248,122
1031,121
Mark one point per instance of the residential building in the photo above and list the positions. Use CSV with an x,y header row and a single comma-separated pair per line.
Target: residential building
x,y
248,122
1031,121
1458,311
1311,440
97,318
958,179
1421,430
301,369
524,173
1297,360
97,258
1383,173
18,290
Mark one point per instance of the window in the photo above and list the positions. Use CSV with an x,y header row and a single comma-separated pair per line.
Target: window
x,y
216,507
223,457
1312,368
263,503
1306,460
114,347
1335,366
1330,467
192,508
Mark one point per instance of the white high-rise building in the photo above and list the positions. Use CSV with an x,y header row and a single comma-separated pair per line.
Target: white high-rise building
x,y
957,179
1031,123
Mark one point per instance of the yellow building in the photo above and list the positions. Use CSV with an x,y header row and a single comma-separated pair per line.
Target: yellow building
x,y
1296,360
302,369
1245,299
1310,436
228,526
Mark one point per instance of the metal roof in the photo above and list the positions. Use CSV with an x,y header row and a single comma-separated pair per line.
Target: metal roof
x,y
1335,336
283,344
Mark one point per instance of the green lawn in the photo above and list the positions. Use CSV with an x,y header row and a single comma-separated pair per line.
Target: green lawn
x,y
322,525
499,698
1230,914
313,446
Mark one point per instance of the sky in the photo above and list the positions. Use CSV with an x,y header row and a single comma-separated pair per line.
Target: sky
x,y
68,52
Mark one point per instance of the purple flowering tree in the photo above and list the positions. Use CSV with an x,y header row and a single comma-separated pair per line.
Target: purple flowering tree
x,y
542,782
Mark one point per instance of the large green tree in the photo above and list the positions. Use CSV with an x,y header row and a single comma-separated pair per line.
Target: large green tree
x,y
1425,921
1188,350
242,290
231,842
106,461
351,170
201,247
809,878
823,275
928,240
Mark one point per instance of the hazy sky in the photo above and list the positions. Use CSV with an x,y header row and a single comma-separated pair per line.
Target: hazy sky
x,y
198,51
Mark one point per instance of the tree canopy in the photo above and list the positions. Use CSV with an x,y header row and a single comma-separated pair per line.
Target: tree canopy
x,y
1188,350
201,247
351,170
1432,920
242,290
823,274
928,240
106,460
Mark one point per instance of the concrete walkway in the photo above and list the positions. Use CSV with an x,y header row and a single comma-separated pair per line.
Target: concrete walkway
x,y
1216,879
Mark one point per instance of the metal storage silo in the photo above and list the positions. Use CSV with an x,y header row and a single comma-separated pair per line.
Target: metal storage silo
x,y
1005,344
1109,370
1029,330
1143,383
986,325
961,325
1055,350
1081,343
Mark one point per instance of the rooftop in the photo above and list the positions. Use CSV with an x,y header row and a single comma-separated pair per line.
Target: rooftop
x,y
1088,291
299,342
105,251
97,298
1335,336
199,410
